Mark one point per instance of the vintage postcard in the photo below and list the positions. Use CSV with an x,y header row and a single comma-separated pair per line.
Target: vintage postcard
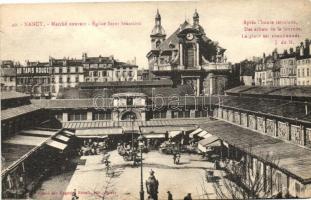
x,y
156,100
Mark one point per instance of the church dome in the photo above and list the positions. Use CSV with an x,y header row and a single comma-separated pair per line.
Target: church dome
x,y
158,30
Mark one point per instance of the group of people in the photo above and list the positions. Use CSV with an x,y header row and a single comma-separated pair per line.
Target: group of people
x,y
128,153
92,147
170,196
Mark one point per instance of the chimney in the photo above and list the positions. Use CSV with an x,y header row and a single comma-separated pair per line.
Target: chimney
x,y
297,50
263,57
301,49
307,43
275,54
50,60
84,56
134,61
291,51
306,108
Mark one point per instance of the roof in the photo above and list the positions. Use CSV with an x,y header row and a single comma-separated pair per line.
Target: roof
x,y
17,147
152,123
289,157
276,107
72,103
209,140
127,83
129,94
164,129
17,111
99,132
12,152
91,92
287,91
12,95
69,62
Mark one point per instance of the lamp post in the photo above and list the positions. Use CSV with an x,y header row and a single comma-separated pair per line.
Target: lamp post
x,y
141,143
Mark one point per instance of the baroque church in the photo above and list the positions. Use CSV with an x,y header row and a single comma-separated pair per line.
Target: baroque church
x,y
188,56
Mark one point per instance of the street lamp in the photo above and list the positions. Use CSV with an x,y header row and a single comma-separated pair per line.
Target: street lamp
x,y
141,144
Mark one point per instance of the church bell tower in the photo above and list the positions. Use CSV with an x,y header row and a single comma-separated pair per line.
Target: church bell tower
x,y
157,34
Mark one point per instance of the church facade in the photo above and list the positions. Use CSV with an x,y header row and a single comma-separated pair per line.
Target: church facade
x,y
188,56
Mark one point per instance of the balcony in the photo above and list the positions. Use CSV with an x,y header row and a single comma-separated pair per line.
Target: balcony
x,y
162,67
215,66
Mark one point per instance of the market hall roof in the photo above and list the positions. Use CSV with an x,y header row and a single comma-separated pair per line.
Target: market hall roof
x,y
289,157
130,124
17,111
272,107
126,84
12,95
273,92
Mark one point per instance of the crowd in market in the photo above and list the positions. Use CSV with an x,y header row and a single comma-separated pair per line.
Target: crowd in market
x,y
92,147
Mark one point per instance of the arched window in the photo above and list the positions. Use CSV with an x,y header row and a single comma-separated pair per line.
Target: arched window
x,y
129,116
158,44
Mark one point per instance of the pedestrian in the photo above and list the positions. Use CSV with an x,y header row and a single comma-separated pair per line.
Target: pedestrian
x,y
174,157
169,195
152,185
74,195
178,158
188,197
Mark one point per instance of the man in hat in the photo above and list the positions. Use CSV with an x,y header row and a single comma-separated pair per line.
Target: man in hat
x,y
188,197
152,185
169,195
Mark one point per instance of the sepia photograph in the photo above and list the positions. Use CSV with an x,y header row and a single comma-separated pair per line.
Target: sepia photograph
x,y
156,100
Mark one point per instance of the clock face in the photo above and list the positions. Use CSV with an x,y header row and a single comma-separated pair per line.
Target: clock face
x,y
189,36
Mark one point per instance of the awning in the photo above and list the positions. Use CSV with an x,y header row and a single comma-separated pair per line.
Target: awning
x,y
195,132
202,134
174,133
68,133
57,145
210,141
154,136
86,136
207,135
163,129
62,138
99,132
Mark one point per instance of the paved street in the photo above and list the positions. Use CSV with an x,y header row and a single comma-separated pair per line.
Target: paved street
x,y
91,182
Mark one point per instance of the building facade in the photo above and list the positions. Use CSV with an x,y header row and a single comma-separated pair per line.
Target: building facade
x,y
304,71
188,56
267,71
287,69
8,75
106,69
34,79
65,73
304,65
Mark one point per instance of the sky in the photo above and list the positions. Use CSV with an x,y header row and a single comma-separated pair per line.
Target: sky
x,y
221,20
